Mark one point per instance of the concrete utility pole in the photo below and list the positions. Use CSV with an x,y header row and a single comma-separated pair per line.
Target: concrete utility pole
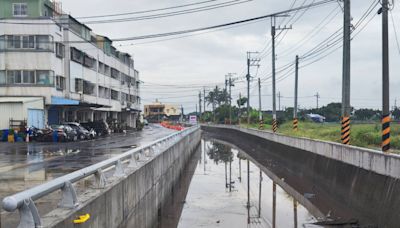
x,y
385,79
239,113
181,113
260,115
229,80
273,34
204,100
279,101
250,63
346,108
317,96
230,100
200,104
296,86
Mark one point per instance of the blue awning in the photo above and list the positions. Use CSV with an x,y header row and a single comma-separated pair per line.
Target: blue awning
x,y
63,101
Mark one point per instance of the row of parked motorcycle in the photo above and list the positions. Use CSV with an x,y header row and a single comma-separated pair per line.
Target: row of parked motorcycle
x,y
69,132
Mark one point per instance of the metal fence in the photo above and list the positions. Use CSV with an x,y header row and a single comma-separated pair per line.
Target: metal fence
x,y
24,201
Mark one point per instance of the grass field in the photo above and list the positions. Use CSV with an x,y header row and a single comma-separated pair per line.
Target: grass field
x,y
363,135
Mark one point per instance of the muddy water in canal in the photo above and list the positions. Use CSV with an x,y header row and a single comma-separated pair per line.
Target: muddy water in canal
x,y
223,187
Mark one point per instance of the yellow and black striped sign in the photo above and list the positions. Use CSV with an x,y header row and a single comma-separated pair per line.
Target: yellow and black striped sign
x,y
346,130
386,133
295,124
261,125
274,125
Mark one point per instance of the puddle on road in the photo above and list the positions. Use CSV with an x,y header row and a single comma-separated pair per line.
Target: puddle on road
x,y
220,195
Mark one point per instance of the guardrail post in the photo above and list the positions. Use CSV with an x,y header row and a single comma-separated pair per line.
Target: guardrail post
x,y
29,215
119,170
101,180
133,162
141,156
69,199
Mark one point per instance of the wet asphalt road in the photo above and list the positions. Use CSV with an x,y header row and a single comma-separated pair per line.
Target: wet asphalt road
x,y
25,165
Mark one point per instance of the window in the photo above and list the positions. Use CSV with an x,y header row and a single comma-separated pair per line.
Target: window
x,y
78,85
76,55
60,48
43,42
2,43
13,42
114,95
28,42
101,68
114,73
20,9
60,83
14,77
88,88
40,77
28,77
3,77
40,42
44,77
107,70
88,61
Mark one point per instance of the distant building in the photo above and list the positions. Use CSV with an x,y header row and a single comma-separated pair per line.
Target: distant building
x,y
50,56
157,111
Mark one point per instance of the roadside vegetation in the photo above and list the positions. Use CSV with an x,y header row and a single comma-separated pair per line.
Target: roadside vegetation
x,y
365,126
362,134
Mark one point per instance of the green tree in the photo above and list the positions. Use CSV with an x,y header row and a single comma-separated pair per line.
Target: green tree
x,y
365,114
220,152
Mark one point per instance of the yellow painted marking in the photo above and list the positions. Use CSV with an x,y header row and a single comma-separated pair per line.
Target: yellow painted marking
x,y
82,219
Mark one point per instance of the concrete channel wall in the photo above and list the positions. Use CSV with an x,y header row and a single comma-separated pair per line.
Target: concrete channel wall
x,y
134,200
344,181
372,160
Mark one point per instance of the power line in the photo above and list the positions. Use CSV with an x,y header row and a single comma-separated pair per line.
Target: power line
x,y
395,31
151,36
146,11
170,14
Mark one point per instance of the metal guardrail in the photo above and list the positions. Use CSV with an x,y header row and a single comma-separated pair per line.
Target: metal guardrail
x,y
24,201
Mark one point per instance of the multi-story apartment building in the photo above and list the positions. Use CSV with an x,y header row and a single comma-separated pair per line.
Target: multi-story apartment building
x,y
71,73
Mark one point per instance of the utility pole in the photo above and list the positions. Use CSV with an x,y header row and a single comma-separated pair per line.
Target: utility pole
x,y
273,34
250,62
228,79
196,110
181,113
385,79
230,100
200,105
279,101
239,113
317,96
260,116
296,86
204,100
346,108
213,102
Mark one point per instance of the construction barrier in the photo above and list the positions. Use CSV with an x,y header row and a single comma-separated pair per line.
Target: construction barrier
x,y
173,127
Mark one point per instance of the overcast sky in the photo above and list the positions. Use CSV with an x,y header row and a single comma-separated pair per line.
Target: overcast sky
x,y
203,59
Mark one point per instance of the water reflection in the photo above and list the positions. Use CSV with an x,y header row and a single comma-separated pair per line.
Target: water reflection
x,y
250,198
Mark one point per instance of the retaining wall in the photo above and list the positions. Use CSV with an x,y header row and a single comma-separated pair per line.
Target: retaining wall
x,y
344,181
134,200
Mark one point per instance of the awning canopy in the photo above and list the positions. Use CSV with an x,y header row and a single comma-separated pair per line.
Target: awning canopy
x,y
63,101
